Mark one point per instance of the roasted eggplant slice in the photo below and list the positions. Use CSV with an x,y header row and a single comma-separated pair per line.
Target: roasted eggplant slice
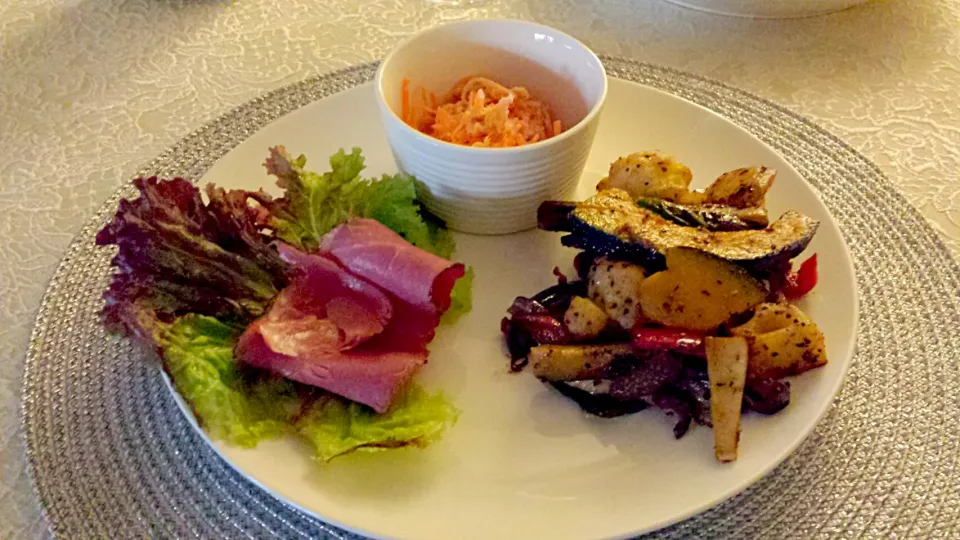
x,y
610,222
713,217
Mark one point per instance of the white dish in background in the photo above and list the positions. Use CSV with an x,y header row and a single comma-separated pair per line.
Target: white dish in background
x,y
494,190
524,462
769,9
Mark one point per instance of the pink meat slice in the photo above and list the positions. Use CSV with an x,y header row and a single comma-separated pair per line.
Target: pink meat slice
x,y
337,331
372,251
357,318
358,308
366,375
411,329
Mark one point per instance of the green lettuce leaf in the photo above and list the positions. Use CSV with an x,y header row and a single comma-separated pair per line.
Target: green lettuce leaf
x,y
461,298
393,201
237,407
335,426
243,407
313,203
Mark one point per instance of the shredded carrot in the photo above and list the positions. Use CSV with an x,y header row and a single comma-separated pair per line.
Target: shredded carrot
x,y
481,112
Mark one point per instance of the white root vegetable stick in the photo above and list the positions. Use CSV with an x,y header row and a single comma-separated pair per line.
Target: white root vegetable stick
x,y
727,370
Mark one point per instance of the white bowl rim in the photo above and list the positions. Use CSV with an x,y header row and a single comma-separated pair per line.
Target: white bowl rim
x,y
579,126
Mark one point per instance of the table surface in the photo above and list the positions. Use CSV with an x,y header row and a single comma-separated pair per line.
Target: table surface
x,y
90,90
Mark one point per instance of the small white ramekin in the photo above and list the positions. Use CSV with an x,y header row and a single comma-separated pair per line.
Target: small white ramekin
x,y
494,190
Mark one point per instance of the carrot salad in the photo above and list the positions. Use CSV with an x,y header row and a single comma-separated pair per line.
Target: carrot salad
x,y
480,112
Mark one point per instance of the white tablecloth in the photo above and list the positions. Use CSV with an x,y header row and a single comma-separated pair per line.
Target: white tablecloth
x,y
90,90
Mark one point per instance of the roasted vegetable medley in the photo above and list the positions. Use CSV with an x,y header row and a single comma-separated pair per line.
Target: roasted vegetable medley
x,y
681,299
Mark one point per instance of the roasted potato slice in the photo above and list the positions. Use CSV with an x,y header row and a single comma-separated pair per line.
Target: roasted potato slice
x,y
742,188
615,287
698,291
783,341
650,174
727,371
574,362
584,319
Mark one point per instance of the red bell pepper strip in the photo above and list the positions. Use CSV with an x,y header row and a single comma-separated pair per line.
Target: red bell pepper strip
x,y
647,338
802,281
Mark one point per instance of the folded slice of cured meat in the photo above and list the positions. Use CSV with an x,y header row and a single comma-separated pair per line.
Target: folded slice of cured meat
x,y
358,308
366,374
352,335
370,250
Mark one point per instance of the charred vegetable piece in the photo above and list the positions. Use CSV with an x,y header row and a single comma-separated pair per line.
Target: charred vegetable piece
x,y
650,174
696,386
776,276
766,396
741,188
543,328
610,222
527,306
599,404
615,287
556,215
519,343
574,362
675,405
650,374
727,369
802,281
530,315
610,247
584,319
647,338
698,291
556,299
710,217
783,341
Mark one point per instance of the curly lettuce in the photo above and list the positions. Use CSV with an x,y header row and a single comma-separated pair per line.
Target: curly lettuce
x,y
177,254
314,203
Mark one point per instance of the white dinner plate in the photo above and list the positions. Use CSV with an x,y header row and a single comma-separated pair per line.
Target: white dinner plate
x,y
522,461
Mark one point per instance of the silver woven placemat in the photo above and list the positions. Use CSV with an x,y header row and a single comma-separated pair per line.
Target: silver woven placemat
x,y
113,457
